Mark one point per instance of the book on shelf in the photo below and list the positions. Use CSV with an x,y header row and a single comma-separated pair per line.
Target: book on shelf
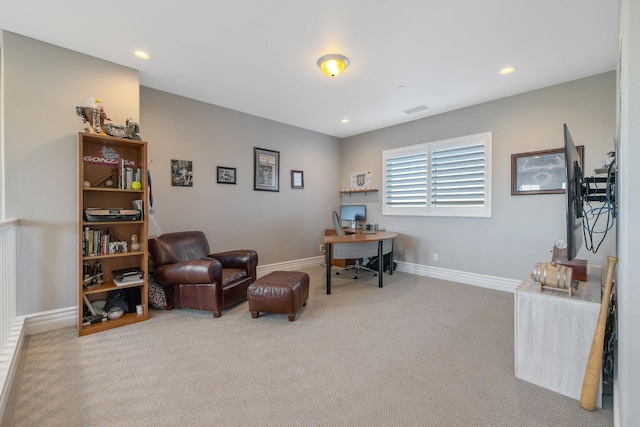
x,y
127,272
128,178
121,173
101,242
127,282
127,276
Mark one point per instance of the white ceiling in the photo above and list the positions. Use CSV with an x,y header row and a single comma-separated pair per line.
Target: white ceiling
x,y
259,57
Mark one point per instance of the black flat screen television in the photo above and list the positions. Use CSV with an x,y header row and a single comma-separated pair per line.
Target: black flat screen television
x,y
353,213
573,196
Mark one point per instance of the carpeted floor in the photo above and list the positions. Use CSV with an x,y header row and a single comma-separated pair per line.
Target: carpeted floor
x,y
418,352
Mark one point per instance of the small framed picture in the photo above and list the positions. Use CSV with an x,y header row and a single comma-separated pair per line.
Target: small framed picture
x,y
266,173
540,172
360,180
117,247
297,179
181,173
226,175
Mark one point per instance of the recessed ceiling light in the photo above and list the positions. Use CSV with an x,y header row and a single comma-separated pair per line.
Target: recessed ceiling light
x,y
141,54
508,69
344,121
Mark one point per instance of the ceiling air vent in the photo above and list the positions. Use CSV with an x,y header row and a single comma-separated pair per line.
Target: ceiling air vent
x,y
416,109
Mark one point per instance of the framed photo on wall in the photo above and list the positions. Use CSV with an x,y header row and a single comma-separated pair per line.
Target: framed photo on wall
x,y
181,173
297,179
266,172
360,180
226,175
540,172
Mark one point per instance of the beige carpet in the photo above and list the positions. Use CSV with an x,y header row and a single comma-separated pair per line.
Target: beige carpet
x,y
418,352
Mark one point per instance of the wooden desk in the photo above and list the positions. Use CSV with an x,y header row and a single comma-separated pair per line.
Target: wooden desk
x,y
371,245
553,334
340,262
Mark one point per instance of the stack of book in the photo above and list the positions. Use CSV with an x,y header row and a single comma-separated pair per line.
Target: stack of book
x,y
126,174
95,242
127,276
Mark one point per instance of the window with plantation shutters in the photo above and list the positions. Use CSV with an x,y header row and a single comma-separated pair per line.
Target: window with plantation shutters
x,y
406,180
444,178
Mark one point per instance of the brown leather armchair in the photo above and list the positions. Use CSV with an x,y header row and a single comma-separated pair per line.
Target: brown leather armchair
x,y
194,278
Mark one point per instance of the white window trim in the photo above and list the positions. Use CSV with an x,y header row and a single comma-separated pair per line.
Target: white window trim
x,y
429,210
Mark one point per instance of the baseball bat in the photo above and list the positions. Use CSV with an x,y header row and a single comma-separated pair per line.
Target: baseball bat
x,y
591,381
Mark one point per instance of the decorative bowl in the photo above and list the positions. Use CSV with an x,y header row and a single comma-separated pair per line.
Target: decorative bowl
x,y
115,313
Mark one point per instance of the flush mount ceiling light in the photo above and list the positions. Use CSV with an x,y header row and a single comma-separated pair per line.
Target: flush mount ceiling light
x,y
333,65
141,54
508,69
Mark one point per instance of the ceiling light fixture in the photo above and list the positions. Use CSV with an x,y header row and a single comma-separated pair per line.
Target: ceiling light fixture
x,y
141,54
508,70
333,65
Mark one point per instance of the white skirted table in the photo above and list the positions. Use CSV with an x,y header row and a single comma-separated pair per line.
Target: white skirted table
x,y
553,334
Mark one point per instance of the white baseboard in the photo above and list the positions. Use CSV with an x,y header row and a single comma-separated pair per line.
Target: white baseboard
x,y
9,361
28,325
296,264
50,320
482,280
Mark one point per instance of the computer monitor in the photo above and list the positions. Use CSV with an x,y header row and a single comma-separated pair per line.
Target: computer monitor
x,y
353,213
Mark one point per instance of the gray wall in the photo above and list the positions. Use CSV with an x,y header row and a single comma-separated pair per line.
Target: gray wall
x,y
42,84
281,226
523,228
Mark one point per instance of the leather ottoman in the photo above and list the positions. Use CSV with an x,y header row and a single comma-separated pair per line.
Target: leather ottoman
x,y
281,292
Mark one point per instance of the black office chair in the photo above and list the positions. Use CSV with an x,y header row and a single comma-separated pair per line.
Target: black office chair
x,y
358,265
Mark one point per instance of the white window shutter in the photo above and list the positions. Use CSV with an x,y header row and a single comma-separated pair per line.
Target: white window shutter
x,y
443,178
406,180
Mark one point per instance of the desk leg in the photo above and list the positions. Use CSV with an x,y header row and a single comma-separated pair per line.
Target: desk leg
x,y
380,264
327,251
391,260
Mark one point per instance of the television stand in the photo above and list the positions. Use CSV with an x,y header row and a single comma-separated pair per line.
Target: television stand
x,y
553,334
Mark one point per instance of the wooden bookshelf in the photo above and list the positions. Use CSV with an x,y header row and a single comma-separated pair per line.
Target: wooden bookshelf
x,y
98,187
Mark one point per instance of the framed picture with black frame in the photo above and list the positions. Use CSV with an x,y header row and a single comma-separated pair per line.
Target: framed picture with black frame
x,y
297,179
540,172
266,170
226,175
